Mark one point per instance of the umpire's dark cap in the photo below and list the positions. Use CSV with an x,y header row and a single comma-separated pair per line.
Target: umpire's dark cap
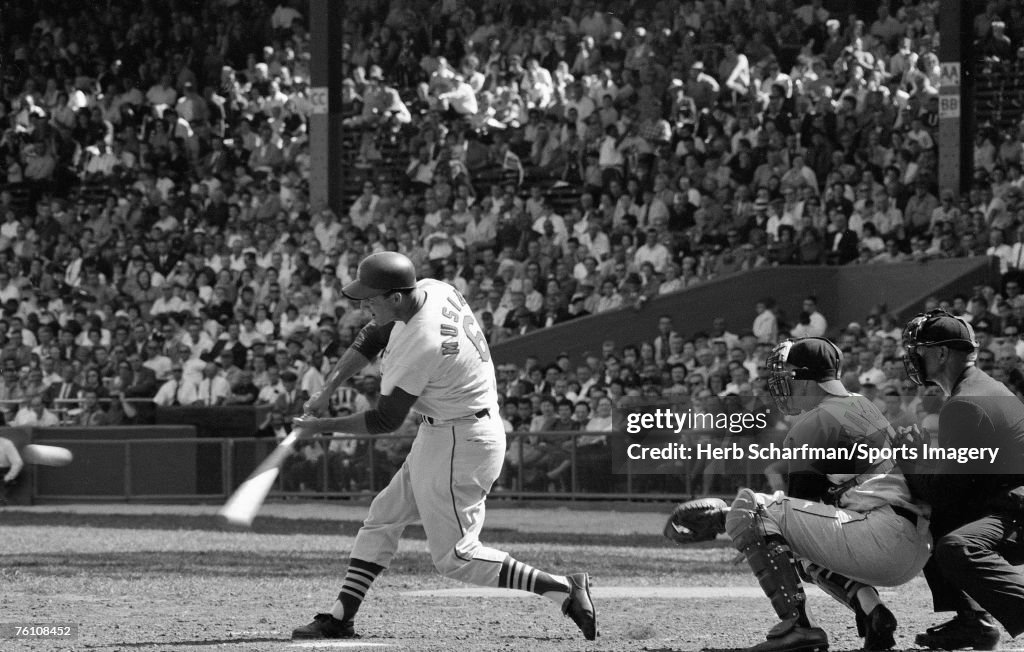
x,y
942,328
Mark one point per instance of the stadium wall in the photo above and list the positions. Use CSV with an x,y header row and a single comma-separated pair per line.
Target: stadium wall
x,y
845,294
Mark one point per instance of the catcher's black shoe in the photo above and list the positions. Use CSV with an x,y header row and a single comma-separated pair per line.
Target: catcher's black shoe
x,y
326,626
789,636
876,628
965,630
579,606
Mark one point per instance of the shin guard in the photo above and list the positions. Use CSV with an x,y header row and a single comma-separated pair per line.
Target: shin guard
x,y
838,586
769,557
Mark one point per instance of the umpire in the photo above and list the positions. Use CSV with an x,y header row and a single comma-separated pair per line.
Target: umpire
x,y
978,511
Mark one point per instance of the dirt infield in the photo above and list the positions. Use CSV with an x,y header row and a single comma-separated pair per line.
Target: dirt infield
x,y
169,579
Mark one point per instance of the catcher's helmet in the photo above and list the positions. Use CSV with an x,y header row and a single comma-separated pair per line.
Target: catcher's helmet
x,y
935,328
379,273
808,358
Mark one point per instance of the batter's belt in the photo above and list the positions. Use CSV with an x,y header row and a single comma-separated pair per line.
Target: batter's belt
x,y
431,421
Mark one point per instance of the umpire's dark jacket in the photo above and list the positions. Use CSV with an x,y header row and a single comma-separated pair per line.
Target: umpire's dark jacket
x,y
981,412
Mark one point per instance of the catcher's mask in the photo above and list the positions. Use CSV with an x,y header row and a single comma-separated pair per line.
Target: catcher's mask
x,y
809,358
935,328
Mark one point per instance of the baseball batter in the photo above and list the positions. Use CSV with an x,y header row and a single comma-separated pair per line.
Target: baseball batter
x,y
851,524
436,362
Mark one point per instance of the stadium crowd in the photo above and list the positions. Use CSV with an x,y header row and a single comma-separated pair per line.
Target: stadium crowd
x,y
157,240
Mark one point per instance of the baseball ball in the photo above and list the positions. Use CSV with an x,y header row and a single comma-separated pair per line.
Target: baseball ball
x,y
46,455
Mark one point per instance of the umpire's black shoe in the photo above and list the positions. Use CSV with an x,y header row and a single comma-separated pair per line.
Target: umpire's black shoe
x,y
971,630
876,628
579,606
326,626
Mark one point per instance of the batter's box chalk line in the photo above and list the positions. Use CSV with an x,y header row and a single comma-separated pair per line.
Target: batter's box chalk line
x,y
614,592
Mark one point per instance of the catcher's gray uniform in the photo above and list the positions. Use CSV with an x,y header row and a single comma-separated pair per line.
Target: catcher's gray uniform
x,y
875,533
847,517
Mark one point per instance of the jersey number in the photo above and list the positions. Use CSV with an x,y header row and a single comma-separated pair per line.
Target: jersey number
x,y
476,336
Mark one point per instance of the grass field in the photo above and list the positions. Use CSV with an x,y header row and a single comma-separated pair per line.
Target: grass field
x,y
135,577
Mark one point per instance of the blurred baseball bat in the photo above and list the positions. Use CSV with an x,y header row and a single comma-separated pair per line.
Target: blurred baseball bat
x,y
242,506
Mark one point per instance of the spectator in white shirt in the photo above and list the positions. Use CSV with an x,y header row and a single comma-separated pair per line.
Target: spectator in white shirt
x,y
459,97
177,390
735,70
33,413
537,86
766,324
421,169
654,250
887,216
583,104
213,388
818,325
169,301
999,249
548,215
156,360
100,160
162,94
273,389
310,378
481,229
364,206
596,241
8,291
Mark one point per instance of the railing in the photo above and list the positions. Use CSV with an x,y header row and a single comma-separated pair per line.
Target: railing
x,y
549,465
68,409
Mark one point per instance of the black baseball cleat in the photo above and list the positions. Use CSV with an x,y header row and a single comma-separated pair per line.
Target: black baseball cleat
x,y
790,636
963,631
326,626
876,628
579,606
800,639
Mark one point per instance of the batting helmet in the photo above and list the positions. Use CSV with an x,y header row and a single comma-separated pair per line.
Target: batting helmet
x,y
379,273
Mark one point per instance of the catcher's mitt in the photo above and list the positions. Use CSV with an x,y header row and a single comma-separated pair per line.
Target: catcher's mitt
x,y
696,520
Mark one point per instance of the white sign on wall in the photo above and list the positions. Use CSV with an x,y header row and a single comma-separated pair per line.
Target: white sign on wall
x,y
318,99
949,105
949,74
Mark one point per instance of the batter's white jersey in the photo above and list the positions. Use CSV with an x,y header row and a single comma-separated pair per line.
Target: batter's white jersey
x,y
441,356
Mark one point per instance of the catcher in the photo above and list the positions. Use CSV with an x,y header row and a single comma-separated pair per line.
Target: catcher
x,y
851,524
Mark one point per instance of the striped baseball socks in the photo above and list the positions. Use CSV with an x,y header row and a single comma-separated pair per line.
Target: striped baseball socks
x,y
358,578
517,575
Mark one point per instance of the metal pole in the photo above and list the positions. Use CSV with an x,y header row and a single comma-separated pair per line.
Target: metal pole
x,y
227,448
956,117
572,469
519,471
324,446
127,470
327,182
371,457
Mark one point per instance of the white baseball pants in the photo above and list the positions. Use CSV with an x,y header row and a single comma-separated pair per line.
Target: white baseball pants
x,y
443,483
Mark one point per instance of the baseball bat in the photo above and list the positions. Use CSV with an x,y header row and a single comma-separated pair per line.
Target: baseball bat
x,y
245,502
